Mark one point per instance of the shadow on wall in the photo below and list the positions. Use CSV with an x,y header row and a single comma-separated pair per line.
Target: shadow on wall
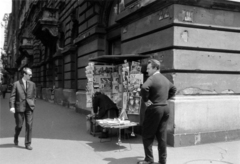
x,y
124,160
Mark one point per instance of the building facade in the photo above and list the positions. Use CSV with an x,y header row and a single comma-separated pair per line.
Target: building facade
x,y
197,43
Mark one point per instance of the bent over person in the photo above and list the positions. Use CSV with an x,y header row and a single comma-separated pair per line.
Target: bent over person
x,y
155,93
102,104
22,104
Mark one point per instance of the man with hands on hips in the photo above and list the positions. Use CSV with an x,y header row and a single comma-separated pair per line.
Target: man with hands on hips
x,y
22,104
155,92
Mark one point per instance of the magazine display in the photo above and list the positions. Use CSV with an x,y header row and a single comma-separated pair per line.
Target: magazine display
x,y
121,83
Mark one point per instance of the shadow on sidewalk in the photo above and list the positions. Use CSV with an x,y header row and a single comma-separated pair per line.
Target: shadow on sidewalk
x,y
106,146
10,146
206,161
112,145
132,160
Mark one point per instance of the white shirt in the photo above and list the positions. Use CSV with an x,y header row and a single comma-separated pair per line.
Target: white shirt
x,y
156,72
24,83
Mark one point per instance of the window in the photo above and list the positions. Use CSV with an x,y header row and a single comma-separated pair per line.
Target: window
x,y
115,46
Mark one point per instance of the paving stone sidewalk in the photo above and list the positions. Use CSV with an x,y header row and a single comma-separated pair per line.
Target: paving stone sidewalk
x,y
60,137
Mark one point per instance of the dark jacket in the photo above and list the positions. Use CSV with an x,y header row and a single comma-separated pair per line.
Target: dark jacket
x,y
20,97
158,89
104,103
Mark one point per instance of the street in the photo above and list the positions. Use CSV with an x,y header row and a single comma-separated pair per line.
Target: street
x,y
60,137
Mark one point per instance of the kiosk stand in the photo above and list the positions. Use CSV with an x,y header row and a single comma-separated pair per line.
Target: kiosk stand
x,y
120,78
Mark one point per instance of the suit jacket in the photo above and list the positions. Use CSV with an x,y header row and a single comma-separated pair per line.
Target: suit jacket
x,y
158,89
20,97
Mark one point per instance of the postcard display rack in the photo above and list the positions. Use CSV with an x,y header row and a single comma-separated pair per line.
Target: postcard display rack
x,y
121,83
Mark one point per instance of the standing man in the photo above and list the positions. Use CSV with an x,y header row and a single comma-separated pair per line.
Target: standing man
x,y
155,93
22,103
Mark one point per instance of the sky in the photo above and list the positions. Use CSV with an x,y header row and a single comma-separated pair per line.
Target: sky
x,y
5,7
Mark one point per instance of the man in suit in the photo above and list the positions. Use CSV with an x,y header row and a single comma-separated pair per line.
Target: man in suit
x,y
22,104
155,92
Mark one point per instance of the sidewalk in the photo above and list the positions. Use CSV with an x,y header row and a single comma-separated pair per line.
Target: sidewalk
x,y
60,137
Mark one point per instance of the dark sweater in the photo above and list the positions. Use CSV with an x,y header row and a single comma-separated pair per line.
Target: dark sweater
x,y
104,103
158,89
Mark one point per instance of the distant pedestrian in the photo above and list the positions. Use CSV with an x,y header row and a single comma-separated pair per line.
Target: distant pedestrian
x,y
102,104
0,88
155,93
4,90
22,104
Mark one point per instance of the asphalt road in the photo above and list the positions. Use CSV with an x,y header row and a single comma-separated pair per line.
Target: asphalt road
x,y
60,137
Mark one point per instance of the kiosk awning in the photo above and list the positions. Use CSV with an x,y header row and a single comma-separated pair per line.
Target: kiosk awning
x,y
118,58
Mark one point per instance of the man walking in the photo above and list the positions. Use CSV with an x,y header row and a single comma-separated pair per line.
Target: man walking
x,y
155,93
22,103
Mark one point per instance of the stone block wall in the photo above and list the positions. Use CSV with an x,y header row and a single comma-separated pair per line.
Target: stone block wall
x,y
198,49
197,43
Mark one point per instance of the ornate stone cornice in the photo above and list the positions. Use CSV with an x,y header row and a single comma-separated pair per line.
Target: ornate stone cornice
x,y
140,8
25,49
69,49
57,55
47,24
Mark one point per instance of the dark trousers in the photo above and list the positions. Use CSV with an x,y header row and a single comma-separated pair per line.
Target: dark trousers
x,y
19,119
155,124
4,93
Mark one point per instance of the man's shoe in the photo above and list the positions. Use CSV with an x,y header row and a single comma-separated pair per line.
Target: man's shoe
x,y
145,162
15,142
28,147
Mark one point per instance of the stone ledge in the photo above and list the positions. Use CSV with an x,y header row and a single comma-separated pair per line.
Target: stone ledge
x,y
203,114
178,140
203,119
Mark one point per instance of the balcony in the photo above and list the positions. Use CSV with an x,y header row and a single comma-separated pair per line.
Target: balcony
x,y
25,50
46,28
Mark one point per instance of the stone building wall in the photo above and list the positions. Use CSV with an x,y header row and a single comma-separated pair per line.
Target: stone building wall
x,y
196,42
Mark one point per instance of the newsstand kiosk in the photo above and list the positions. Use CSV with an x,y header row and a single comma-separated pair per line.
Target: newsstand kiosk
x,y
120,78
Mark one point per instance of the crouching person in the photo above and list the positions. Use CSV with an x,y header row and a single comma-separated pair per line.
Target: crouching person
x,y
102,105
